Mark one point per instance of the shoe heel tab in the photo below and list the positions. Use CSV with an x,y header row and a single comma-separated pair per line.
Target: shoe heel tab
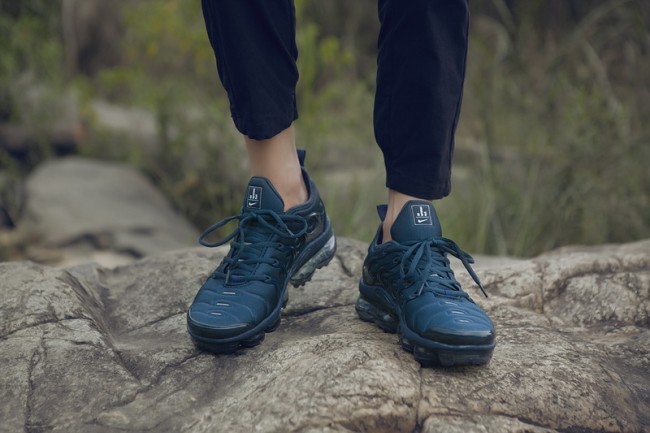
x,y
382,210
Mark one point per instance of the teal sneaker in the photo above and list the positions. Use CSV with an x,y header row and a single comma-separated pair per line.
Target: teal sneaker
x,y
243,297
408,287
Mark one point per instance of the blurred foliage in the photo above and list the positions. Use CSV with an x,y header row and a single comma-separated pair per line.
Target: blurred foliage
x,y
26,30
552,147
168,67
558,113
29,54
165,54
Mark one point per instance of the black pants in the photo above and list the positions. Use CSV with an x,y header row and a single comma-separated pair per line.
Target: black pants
x,y
421,68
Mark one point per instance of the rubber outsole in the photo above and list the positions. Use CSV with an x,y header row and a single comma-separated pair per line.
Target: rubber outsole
x,y
427,352
298,278
228,348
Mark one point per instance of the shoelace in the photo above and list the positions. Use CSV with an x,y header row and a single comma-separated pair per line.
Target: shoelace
x,y
248,249
436,268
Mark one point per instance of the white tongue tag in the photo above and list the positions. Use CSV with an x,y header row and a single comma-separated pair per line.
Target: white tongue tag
x,y
416,221
260,194
421,215
254,197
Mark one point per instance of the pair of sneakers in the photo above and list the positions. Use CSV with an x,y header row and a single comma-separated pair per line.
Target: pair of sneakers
x,y
407,285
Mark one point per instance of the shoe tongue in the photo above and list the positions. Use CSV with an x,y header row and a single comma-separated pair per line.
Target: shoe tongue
x,y
261,194
416,221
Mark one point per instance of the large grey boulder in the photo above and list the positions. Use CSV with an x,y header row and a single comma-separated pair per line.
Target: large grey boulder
x,y
90,349
81,209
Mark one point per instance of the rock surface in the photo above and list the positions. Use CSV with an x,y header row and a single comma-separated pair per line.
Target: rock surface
x,y
90,349
79,209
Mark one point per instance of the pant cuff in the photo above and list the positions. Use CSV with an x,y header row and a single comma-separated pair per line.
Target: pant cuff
x,y
417,188
263,128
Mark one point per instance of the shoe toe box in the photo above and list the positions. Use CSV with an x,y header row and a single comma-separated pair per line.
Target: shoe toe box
x,y
452,321
223,312
206,320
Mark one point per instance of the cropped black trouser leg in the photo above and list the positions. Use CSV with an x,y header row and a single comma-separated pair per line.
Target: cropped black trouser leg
x,y
420,73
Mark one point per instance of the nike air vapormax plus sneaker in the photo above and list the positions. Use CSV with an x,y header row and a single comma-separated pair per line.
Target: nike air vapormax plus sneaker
x,y
408,287
243,297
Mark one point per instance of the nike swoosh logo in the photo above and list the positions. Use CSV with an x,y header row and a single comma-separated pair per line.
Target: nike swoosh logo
x,y
252,203
419,220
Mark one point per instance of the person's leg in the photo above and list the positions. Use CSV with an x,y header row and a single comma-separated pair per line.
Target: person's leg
x,y
284,234
254,42
421,67
396,202
407,285
276,159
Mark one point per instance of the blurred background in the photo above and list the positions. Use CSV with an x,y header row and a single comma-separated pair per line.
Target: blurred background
x,y
553,146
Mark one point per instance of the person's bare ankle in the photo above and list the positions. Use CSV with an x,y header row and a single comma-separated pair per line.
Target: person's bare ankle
x,y
292,191
396,201
276,159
